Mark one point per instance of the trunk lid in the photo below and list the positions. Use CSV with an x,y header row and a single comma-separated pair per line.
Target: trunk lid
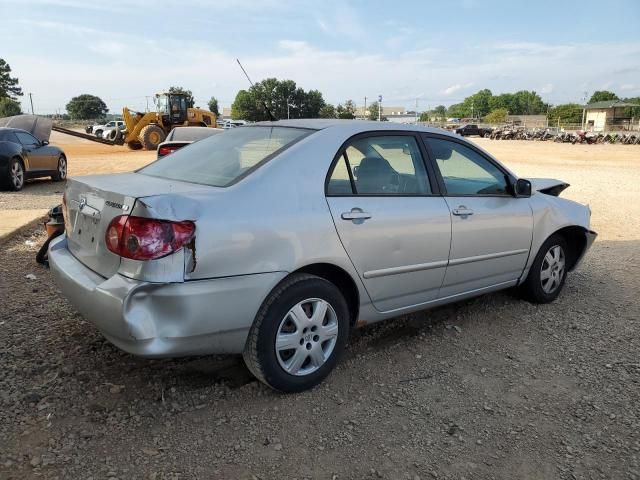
x,y
93,201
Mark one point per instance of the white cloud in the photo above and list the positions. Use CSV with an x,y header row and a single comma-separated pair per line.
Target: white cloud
x,y
455,88
547,88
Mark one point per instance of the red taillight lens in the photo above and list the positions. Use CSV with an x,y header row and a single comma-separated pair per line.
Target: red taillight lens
x,y
162,151
141,238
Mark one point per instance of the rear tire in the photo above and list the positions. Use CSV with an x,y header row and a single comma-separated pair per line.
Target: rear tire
x,y
548,271
61,171
98,133
151,136
135,145
299,334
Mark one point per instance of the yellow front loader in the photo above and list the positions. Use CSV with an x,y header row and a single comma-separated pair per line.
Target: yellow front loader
x,y
148,130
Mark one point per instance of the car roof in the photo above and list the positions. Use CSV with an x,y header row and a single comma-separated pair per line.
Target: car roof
x,y
354,126
11,129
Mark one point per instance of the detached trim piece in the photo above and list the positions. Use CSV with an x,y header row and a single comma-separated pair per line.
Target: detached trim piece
x,y
439,264
489,256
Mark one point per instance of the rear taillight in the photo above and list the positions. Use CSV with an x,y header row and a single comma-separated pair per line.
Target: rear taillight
x,y
162,151
141,238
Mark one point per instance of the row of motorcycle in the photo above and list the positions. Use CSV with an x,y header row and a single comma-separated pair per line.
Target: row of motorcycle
x,y
580,136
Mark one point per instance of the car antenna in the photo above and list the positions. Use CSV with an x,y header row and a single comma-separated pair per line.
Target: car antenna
x,y
271,117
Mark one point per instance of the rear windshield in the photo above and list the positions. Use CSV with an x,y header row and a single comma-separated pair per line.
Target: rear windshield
x,y
222,159
191,134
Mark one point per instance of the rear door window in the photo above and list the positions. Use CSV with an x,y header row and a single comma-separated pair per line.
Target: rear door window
x,y
380,165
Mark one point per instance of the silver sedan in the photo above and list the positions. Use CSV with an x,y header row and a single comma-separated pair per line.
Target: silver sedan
x,y
274,240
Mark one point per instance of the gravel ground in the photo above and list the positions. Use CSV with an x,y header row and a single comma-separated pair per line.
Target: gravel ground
x,y
489,388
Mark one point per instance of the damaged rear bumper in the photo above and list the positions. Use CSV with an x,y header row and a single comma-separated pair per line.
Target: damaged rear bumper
x,y
163,319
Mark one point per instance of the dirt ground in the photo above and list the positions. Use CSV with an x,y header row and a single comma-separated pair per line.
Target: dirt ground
x,y
489,388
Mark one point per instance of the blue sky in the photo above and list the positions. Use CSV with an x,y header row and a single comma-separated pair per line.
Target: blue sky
x,y
437,52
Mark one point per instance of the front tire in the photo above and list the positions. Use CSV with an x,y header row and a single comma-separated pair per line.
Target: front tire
x,y
151,136
16,177
299,334
61,170
548,271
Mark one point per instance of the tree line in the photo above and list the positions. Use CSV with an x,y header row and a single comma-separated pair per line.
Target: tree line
x,y
492,108
284,99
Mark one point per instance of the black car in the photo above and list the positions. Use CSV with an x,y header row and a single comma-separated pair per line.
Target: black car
x,y
472,129
23,156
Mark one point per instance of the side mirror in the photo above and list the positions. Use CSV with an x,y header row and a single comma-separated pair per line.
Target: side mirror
x,y
44,142
522,188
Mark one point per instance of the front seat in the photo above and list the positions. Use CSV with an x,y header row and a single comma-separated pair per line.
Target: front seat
x,y
375,175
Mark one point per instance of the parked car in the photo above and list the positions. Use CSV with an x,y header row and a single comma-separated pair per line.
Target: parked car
x,y
182,136
472,129
23,156
276,239
98,130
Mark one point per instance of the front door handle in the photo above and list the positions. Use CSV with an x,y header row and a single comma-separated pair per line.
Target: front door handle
x,y
462,211
356,215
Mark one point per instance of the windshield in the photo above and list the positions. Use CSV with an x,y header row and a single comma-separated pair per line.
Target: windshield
x,y
221,159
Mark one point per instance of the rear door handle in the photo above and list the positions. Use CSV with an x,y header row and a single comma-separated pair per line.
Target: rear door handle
x,y
462,211
356,215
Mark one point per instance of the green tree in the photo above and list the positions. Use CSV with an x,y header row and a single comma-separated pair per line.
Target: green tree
x,y
85,107
8,84
424,117
282,97
9,107
603,96
499,115
440,112
372,108
213,106
346,111
566,113
632,111
187,93
328,111
457,110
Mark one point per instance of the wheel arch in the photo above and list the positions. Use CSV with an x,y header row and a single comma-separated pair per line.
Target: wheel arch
x,y
341,279
576,238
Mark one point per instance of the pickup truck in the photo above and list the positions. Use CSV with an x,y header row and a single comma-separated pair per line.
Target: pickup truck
x,y
472,129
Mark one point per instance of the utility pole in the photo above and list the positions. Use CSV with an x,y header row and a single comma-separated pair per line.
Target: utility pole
x,y
379,106
147,98
416,111
31,100
584,109
364,112
472,104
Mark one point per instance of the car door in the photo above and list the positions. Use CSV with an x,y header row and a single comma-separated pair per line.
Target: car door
x,y
38,156
393,224
491,229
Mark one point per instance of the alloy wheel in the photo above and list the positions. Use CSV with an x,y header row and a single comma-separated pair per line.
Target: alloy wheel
x,y
62,168
306,337
552,269
17,175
